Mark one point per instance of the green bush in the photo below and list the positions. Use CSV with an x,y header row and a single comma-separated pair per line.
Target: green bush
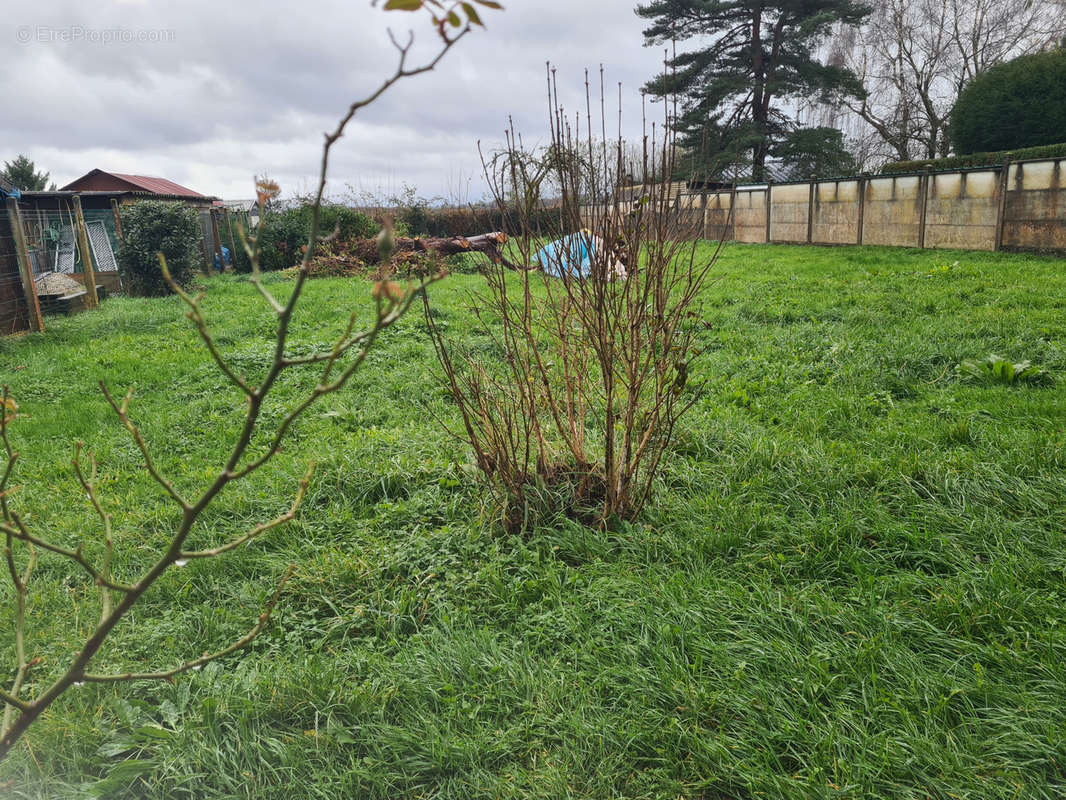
x,y
1021,103
155,226
283,234
414,219
976,159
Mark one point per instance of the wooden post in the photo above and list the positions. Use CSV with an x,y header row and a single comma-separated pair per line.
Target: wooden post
x,y
121,240
923,203
22,255
863,183
118,220
810,210
232,241
1001,206
217,240
86,256
207,246
769,206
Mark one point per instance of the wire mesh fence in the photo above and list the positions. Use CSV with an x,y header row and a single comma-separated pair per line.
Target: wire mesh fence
x,y
60,254
54,244
13,307
49,247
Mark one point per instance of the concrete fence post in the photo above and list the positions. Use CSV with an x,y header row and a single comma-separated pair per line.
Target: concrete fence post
x,y
810,209
731,220
1001,205
923,204
769,208
862,183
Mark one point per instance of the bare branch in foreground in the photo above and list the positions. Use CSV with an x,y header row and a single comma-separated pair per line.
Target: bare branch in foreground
x,y
337,364
196,663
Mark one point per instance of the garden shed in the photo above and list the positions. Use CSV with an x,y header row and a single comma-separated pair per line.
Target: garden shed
x,y
49,221
50,225
128,188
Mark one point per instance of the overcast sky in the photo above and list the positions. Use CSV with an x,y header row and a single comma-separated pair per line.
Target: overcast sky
x,y
221,91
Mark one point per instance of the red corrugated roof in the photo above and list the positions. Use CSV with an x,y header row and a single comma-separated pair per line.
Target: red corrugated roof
x,y
137,183
157,185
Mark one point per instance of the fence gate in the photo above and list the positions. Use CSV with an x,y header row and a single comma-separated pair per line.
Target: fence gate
x,y
100,242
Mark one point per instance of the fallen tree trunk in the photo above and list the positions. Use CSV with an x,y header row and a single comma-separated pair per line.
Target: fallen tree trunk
x,y
368,251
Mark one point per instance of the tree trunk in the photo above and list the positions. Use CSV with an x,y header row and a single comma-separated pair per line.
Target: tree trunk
x,y
758,162
368,250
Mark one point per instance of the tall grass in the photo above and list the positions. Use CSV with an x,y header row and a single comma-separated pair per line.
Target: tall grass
x,y
849,583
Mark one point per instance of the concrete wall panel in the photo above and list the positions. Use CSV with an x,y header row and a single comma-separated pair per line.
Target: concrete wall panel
x,y
751,216
718,222
690,222
961,210
836,213
788,212
892,211
1035,214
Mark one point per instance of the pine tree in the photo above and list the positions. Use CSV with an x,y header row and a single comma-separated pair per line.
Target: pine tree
x,y
753,58
23,174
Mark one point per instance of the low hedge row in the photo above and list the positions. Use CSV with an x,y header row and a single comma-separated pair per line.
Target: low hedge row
x,y
975,159
283,234
472,221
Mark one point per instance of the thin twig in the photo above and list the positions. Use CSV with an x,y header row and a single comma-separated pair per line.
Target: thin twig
x,y
121,412
206,658
260,529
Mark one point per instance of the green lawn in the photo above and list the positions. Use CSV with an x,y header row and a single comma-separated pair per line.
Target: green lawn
x,y
850,582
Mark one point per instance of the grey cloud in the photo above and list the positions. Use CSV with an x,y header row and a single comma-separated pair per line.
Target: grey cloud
x,y
247,88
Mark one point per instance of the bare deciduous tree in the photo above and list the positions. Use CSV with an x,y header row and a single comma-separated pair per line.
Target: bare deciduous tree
x,y
915,56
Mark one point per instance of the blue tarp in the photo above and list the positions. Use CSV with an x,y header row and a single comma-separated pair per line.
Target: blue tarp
x,y
225,258
570,256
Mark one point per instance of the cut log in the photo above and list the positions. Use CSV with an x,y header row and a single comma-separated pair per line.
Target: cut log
x,y
489,243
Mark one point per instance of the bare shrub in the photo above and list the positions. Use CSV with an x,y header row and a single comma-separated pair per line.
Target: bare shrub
x,y
575,403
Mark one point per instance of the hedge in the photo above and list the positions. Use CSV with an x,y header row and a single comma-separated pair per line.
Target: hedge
x,y
152,227
1020,103
976,159
283,234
